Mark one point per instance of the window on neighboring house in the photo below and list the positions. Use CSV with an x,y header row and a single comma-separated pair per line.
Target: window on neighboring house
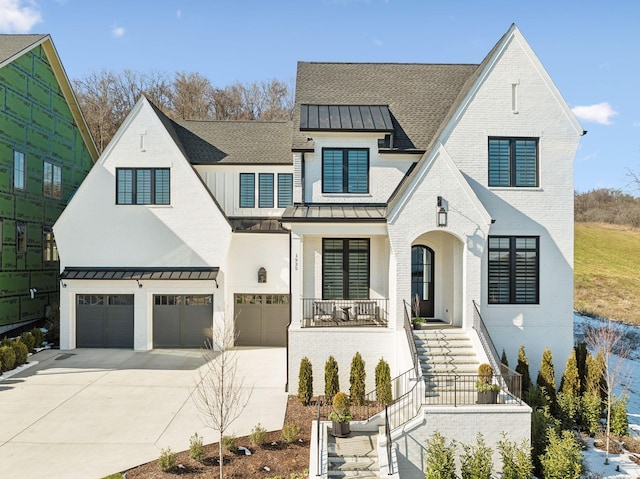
x,y
21,237
143,186
513,270
247,190
345,268
265,190
49,247
285,190
52,180
513,162
19,171
345,170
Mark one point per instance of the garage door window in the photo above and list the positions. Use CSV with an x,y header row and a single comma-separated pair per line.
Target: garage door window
x,y
168,300
121,300
198,300
90,300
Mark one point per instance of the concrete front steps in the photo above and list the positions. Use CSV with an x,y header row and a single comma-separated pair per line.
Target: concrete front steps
x,y
446,358
354,456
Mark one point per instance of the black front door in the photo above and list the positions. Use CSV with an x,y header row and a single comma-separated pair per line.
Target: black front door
x,y
422,281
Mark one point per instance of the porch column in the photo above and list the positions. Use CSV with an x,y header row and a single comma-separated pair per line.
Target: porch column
x,y
296,280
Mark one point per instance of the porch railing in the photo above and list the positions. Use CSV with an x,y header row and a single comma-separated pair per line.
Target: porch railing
x,y
344,313
510,379
408,329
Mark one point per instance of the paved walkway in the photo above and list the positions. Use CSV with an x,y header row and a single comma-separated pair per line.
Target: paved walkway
x,y
88,413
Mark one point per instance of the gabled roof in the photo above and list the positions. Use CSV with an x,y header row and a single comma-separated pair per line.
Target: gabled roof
x,y
14,46
418,96
236,142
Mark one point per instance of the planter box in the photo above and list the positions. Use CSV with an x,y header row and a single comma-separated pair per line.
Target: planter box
x,y
340,429
487,397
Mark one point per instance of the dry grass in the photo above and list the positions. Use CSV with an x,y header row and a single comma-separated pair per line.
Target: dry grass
x,y
606,271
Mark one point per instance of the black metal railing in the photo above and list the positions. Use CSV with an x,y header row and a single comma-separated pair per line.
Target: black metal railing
x,y
318,443
387,428
344,313
407,406
510,379
408,329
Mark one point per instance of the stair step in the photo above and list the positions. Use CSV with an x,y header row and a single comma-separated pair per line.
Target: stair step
x,y
353,463
357,474
449,359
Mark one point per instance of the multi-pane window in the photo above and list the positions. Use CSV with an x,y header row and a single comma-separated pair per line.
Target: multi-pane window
x,y
143,186
49,248
513,162
52,180
247,190
345,268
21,237
345,170
19,171
265,190
285,190
513,270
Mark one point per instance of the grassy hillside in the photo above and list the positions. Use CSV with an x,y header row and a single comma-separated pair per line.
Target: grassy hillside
x,y
607,271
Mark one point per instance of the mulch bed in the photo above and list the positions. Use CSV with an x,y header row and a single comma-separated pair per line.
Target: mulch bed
x,y
282,459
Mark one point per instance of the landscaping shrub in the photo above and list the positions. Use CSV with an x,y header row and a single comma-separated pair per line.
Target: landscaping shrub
x,y
21,351
38,337
357,378
523,369
258,436
619,419
229,443
516,459
541,422
305,381
53,324
568,410
475,462
7,357
570,383
196,448
290,432
383,383
503,358
581,363
590,412
341,408
439,458
28,340
547,378
167,460
331,379
562,458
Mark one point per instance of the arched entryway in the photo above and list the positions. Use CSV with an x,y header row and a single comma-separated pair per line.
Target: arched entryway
x,y
422,281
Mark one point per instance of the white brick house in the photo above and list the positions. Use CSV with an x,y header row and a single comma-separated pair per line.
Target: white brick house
x,y
450,182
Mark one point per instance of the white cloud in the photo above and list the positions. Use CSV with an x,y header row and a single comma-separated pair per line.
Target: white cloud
x,y
598,113
18,16
117,32
636,124
377,42
179,14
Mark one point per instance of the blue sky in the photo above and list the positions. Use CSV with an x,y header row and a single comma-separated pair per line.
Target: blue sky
x,y
590,48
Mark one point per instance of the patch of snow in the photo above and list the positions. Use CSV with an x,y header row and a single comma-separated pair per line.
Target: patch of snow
x,y
630,385
247,452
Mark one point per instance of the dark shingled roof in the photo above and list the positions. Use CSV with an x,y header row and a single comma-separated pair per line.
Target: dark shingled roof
x,y
335,213
419,96
236,142
211,142
11,45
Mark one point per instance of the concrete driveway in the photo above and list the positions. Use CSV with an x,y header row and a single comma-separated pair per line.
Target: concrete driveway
x,y
88,413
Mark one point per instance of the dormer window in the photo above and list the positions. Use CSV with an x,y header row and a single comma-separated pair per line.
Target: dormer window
x,y
345,170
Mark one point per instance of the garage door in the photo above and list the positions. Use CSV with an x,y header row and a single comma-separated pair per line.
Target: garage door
x,y
261,319
182,320
104,320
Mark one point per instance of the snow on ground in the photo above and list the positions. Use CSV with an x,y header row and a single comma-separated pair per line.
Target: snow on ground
x,y
630,384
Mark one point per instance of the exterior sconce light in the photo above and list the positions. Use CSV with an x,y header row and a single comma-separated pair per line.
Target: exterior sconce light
x,y
262,275
442,213
139,283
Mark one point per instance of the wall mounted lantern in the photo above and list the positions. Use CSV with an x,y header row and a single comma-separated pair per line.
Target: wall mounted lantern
x,y
441,213
262,275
